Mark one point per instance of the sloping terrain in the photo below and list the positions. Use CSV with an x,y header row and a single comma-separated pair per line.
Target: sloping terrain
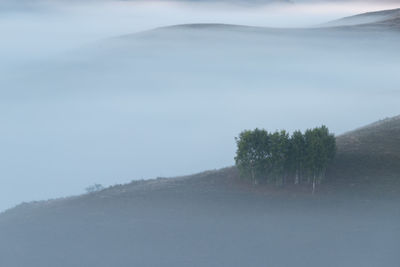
x,y
370,155
211,219
385,19
366,18
102,108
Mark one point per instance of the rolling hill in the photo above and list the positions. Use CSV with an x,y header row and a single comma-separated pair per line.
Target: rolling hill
x,y
384,18
211,218
388,19
215,219
370,154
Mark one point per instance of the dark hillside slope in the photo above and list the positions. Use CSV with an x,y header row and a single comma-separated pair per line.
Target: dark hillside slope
x,y
370,154
365,18
213,219
196,221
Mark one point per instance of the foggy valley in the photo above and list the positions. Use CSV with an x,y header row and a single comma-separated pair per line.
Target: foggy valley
x,y
120,93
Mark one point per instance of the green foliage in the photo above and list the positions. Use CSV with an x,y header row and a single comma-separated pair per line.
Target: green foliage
x,y
279,158
296,157
320,150
279,143
253,154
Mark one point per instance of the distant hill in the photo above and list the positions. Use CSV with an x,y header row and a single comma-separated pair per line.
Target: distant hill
x,y
216,219
385,18
363,23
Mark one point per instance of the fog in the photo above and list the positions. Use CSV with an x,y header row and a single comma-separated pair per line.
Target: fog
x,y
89,95
200,224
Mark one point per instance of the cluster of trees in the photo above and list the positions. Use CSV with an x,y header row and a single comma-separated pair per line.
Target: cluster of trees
x,y
281,159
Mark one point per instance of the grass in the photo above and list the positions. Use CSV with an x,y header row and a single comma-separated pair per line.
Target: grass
x,y
369,156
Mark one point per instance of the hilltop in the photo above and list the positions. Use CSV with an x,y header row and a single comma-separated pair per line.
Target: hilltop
x,y
381,19
367,155
384,19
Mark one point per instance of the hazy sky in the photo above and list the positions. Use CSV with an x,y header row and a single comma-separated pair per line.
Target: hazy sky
x,y
78,108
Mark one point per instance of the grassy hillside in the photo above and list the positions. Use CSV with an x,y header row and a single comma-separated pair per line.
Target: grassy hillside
x,y
216,219
369,155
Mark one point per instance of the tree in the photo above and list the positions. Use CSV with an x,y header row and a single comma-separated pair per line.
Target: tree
x,y
320,148
253,151
274,157
279,155
296,156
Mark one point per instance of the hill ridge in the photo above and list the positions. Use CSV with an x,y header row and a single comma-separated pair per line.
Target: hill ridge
x,y
377,18
349,144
